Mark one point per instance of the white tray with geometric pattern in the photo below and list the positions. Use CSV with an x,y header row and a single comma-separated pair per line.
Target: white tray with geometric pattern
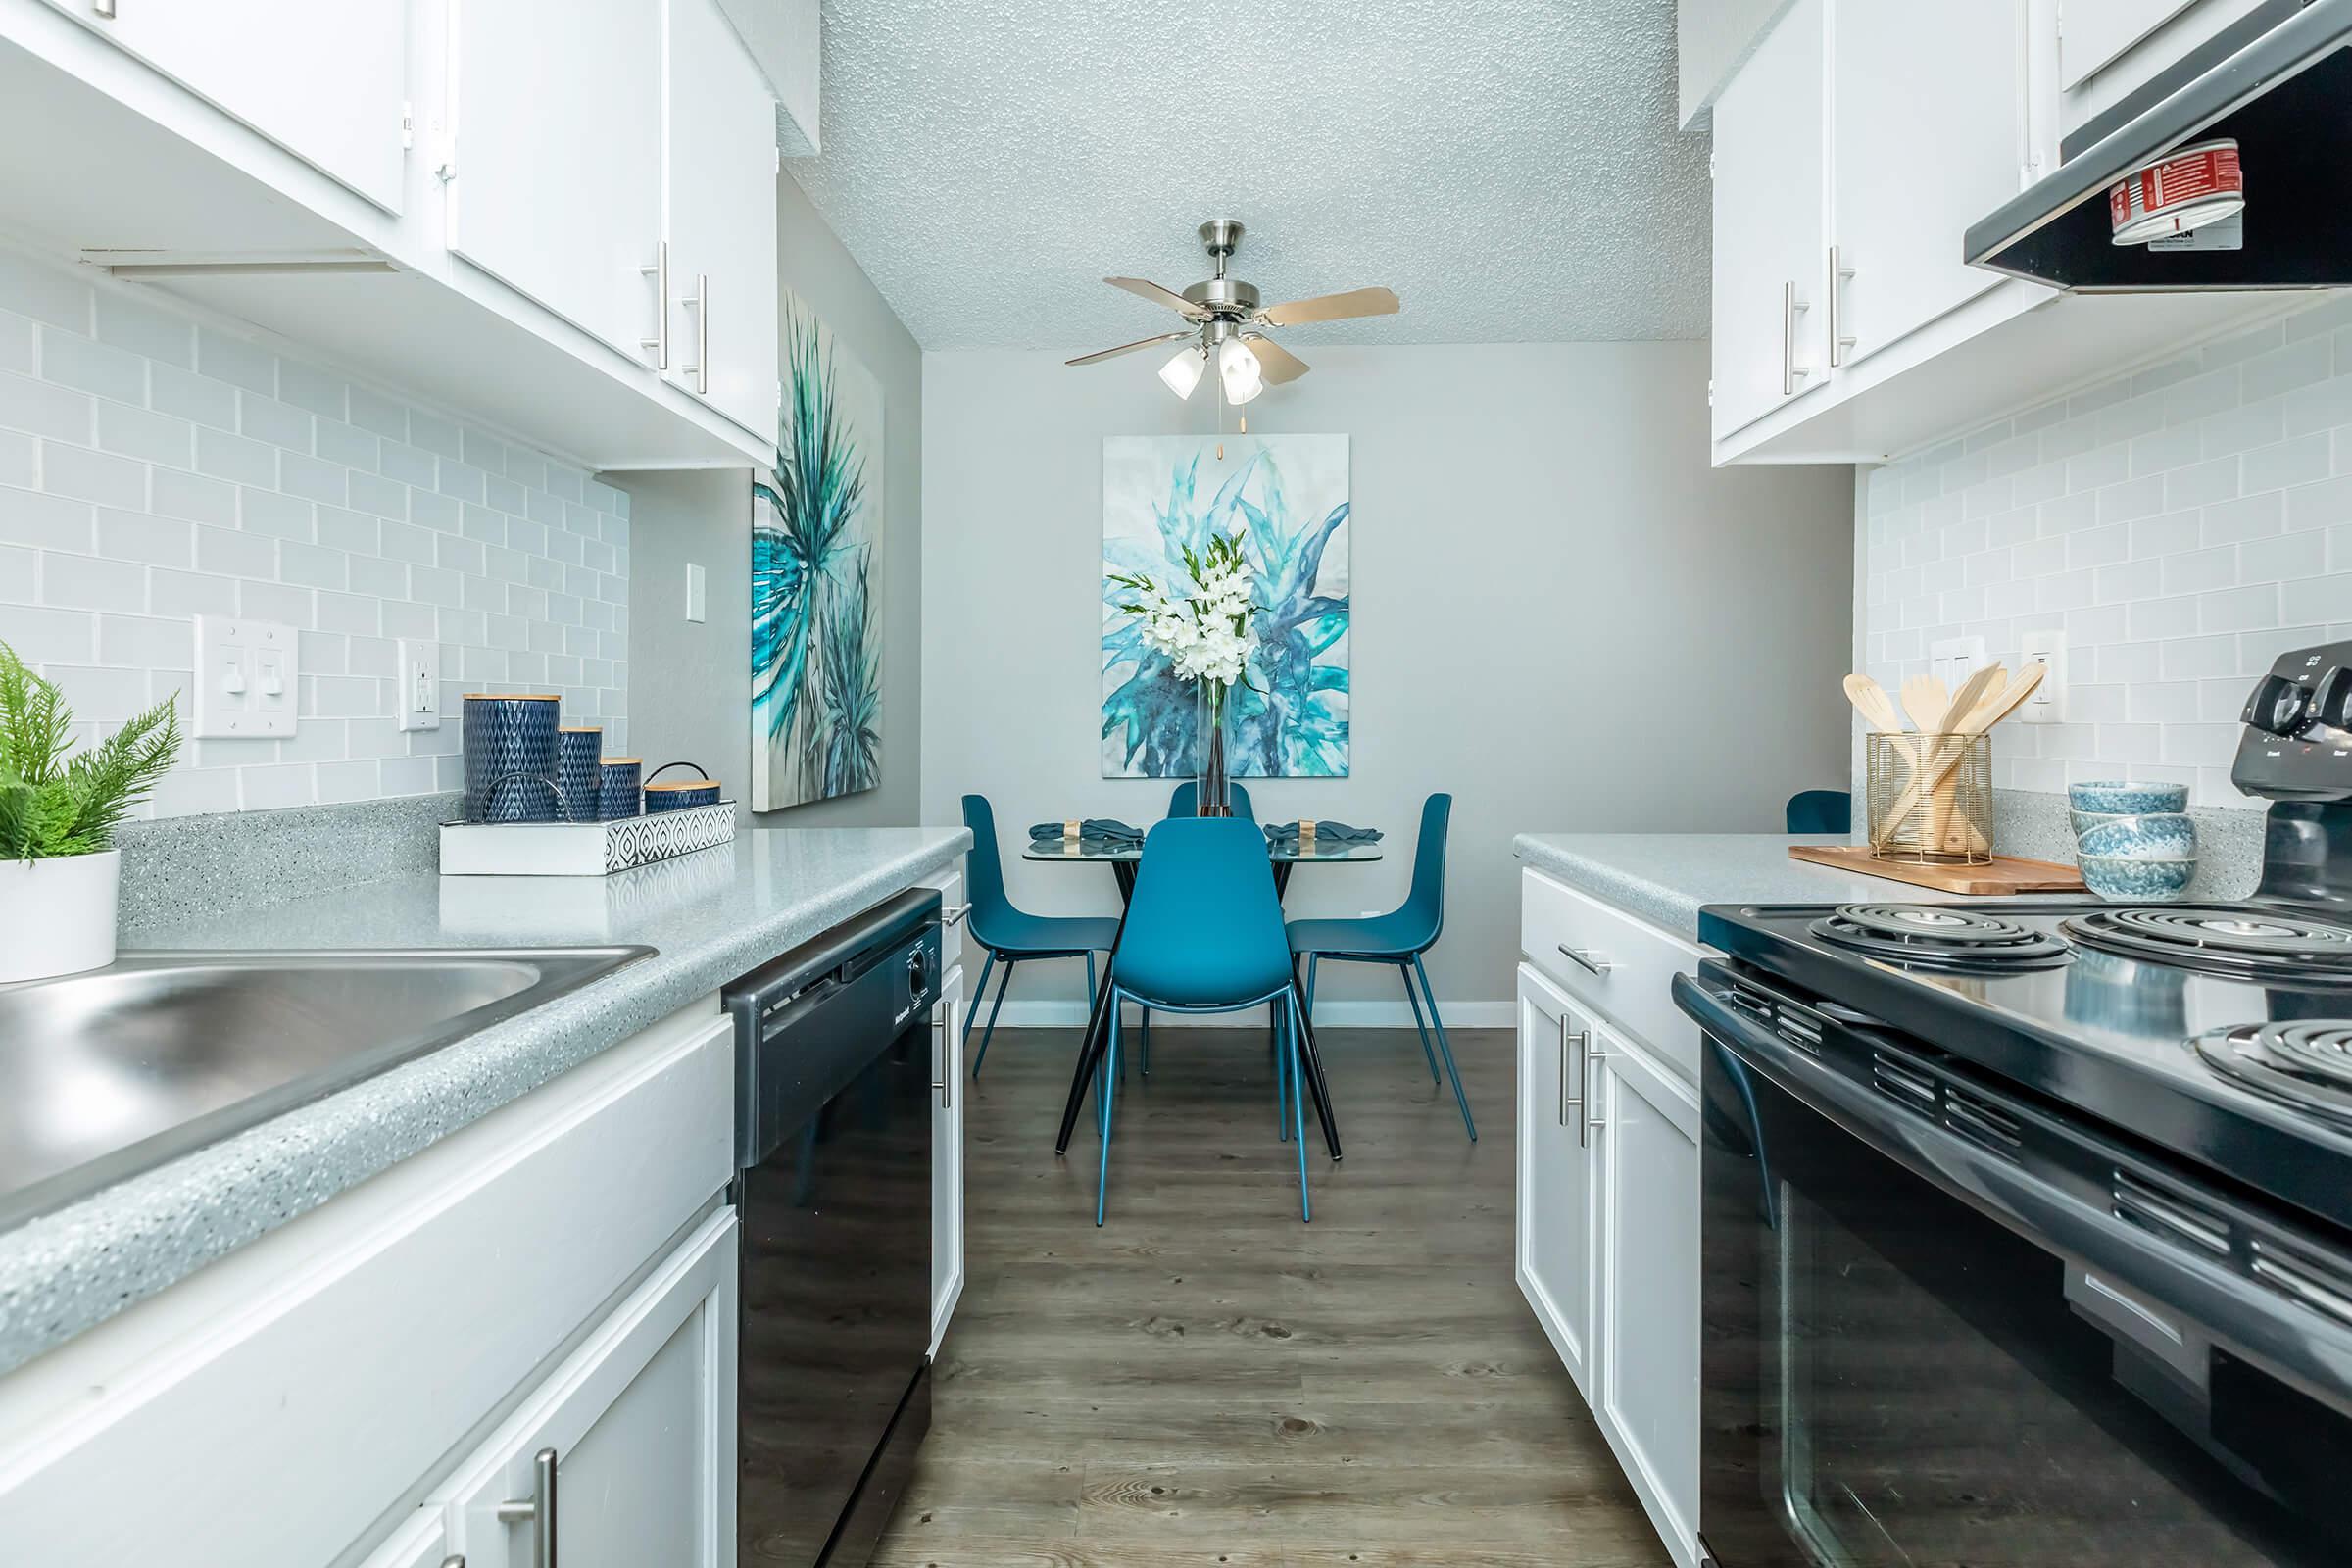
x,y
583,849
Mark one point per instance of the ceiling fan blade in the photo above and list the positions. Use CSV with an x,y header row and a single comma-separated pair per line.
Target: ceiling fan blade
x,y
1333,307
1158,295
1128,348
1274,361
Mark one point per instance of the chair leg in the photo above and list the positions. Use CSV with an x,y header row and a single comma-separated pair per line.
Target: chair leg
x,y
1145,1030
979,992
1282,1087
1307,1212
1427,1055
1314,962
1110,1080
1003,984
1446,1048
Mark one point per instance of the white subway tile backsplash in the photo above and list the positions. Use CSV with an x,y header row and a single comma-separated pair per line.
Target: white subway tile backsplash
x,y
2183,526
153,468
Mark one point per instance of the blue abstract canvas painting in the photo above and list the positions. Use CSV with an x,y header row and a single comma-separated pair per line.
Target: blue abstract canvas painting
x,y
816,576
1286,497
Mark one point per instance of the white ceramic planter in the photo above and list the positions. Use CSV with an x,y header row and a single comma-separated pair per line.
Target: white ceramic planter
x,y
58,917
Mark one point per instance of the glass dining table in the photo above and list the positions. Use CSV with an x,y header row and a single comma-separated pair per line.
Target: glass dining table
x,y
1123,857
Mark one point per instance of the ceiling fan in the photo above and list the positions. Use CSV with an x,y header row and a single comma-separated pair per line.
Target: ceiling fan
x,y
1226,323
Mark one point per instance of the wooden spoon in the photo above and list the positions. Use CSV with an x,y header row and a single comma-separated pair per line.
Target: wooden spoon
x,y
1972,692
1871,702
1990,711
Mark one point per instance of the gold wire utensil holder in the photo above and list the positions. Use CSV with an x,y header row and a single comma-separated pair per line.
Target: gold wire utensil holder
x,y
1930,798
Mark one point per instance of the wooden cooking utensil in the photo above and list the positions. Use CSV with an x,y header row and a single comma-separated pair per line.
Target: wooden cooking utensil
x,y
1870,700
1943,797
1927,703
1990,711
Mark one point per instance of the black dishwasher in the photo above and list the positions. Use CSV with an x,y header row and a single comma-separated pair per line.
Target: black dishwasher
x,y
835,1072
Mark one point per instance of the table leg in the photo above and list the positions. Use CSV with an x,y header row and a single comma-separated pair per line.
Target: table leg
x,y
1281,878
1315,1084
1123,872
1097,1040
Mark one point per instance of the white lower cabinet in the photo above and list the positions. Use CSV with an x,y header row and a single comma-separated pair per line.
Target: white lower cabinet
x,y
1607,1224
947,1157
627,1453
421,1542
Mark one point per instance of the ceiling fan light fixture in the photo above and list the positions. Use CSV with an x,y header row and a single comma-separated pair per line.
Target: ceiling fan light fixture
x,y
1238,368
1184,369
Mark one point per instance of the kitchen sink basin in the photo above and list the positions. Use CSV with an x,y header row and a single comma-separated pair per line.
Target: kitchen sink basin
x,y
107,1073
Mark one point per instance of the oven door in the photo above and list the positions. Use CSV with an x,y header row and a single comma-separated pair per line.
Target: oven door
x,y
1915,1352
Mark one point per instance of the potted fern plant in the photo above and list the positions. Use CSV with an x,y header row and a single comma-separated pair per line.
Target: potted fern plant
x,y
60,872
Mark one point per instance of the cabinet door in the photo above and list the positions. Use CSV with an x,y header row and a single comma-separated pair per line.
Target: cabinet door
x,y
328,82
1767,223
421,1542
1646,1148
640,1422
1555,1221
1917,156
722,218
557,113
2093,33
947,1157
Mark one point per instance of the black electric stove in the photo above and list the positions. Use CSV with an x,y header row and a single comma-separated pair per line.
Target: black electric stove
x,y
2026,1226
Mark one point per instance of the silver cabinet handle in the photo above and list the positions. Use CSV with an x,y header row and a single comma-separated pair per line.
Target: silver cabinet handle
x,y
538,1510
659,341
1583,1039
1589,1123
1791,371
700,305
1586,958
1840,340
947,1079
456,1559
952,916
104,8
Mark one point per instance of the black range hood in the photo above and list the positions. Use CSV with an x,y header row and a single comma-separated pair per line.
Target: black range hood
x,y
2278,81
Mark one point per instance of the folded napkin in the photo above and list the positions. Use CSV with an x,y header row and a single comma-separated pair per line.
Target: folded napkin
x,y
1326,832
1094,830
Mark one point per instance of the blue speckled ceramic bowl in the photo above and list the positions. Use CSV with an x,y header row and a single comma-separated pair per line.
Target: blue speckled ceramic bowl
x,y
2128,881
2125,798
2157,836
2084,821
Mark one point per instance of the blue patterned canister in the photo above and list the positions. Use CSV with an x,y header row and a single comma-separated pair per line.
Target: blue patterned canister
x,y
579,769
616,790
505,737
675,794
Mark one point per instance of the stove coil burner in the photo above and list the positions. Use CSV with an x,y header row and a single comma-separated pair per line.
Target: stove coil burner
x,y
1939,936
2307,1064
2255,943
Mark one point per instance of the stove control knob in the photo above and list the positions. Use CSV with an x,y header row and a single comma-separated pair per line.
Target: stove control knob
x,y
2332,699
2280,707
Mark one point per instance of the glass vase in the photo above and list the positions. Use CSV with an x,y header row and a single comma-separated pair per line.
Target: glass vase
x,y
1212,782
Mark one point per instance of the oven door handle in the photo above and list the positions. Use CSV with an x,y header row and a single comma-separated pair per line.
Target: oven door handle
x,y
2301,1337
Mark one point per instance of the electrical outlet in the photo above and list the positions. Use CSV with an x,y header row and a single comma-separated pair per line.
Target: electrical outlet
x,y
417,685
2047,704
248,679
695,596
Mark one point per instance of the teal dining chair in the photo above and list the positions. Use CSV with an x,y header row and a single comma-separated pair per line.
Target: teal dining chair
x,y
1398,939
1204,935
1014,936
1185,801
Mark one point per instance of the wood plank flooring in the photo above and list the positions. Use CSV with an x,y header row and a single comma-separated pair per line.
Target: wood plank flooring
x,y
1205,1379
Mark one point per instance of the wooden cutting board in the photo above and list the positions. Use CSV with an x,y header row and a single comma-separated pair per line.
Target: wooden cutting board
x,y
2003,876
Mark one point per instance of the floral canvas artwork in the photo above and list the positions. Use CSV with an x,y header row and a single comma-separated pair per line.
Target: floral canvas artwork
x,y
816,572
1286,499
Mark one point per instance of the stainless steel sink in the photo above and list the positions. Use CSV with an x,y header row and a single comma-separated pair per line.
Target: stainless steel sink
x,y
110,1072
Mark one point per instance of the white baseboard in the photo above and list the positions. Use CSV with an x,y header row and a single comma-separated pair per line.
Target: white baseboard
x,y
1333,1015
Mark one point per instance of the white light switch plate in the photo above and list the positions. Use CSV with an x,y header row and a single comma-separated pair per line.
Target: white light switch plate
x,y
248,679
697,595
1952,660
417,685
2047,704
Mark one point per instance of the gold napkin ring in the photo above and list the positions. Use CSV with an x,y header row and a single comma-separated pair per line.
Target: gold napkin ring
x,y
1069,831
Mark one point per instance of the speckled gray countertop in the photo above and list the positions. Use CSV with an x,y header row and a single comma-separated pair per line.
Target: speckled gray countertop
x,y
1664,877
713,917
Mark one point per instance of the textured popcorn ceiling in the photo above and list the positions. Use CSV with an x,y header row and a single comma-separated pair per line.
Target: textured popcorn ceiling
x,y
1511,168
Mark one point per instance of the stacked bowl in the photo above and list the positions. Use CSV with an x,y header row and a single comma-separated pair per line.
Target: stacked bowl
x,y
2133,842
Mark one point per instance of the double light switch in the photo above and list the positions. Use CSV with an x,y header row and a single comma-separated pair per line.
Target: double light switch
x,y
248,678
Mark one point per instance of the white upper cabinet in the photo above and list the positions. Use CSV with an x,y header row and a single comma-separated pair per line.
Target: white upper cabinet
x,y
1767,223
2092,33
1915,157
556,115
722,218
327,83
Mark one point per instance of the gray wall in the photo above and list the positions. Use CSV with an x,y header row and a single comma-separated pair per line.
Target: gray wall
x,y
1562,615
696,678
